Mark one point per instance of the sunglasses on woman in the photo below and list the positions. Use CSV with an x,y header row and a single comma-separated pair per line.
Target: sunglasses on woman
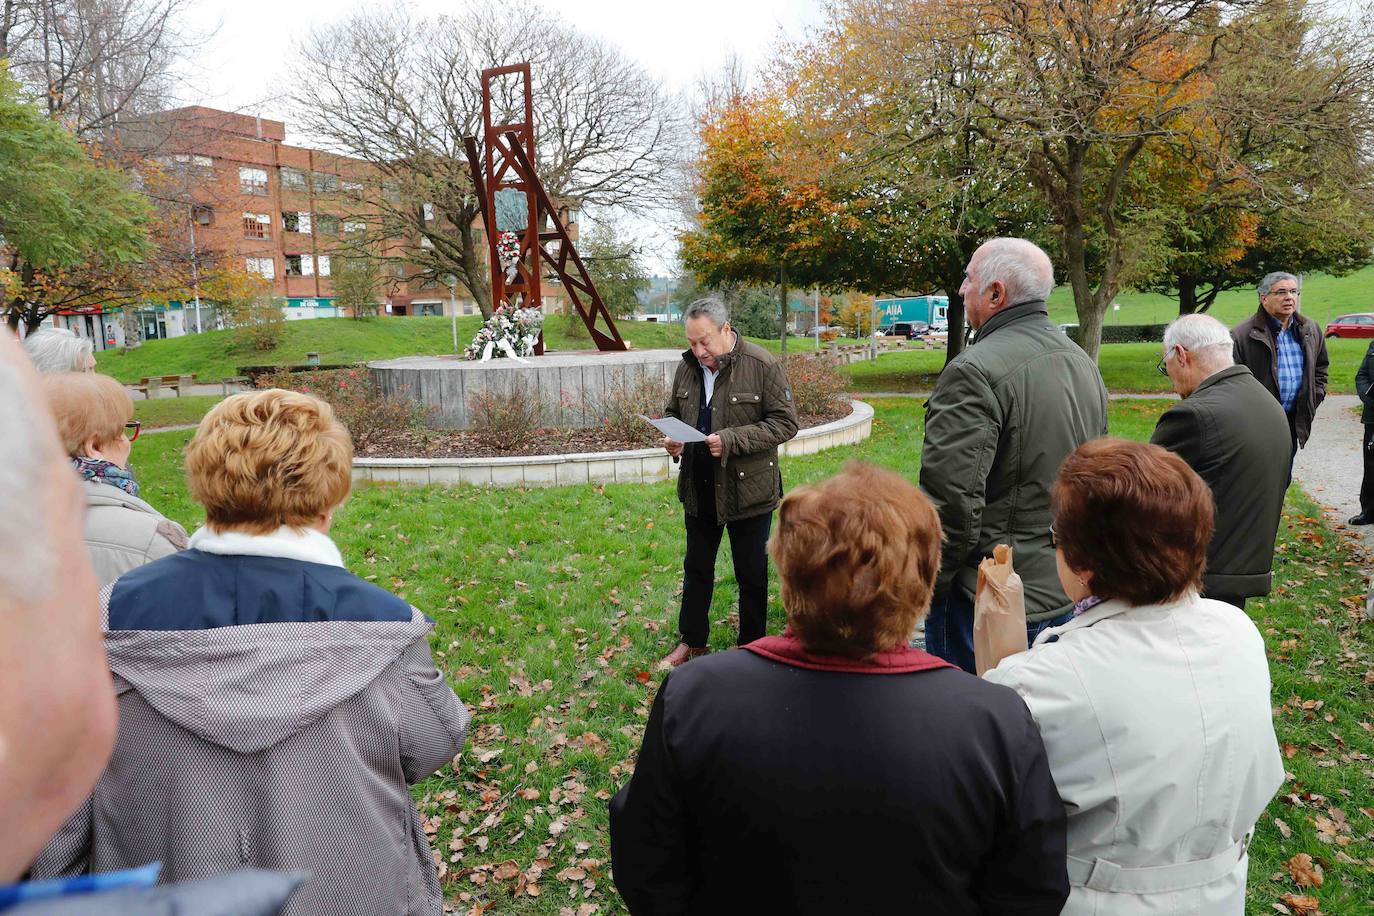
x,y
131,429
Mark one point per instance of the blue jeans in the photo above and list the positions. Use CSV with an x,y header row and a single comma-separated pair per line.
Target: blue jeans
x,y
949,628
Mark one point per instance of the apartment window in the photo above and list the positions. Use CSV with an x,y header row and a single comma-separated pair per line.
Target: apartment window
x,y
253,181
469,307
326,224
428,212
323,265
351,226
353,189
391,191
296,220
263,267
325,183
299,265
293,179
257,226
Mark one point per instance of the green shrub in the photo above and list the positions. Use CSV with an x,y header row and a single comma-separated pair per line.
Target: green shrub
x,y
618,410
819,391
507,421
370,417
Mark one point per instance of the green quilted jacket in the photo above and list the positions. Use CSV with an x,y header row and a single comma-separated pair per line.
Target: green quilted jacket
x,y
752,411
1004,415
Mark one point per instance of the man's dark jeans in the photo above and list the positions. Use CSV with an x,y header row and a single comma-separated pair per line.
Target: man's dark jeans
x,y
949,628
749,549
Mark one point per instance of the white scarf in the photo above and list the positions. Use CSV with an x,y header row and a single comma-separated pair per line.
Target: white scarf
x,y
305,544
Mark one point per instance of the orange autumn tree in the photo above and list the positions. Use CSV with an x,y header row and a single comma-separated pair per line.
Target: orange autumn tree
x,y
761,220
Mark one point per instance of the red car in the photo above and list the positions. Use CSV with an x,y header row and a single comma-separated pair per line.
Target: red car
x,y
1358,325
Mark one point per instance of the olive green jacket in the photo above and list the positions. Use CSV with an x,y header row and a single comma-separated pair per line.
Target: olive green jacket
x,y
1004,415
753,413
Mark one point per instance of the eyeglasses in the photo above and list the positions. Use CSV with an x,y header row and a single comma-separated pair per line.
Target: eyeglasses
x,y
1054,541
1285,292
1163,366
132,428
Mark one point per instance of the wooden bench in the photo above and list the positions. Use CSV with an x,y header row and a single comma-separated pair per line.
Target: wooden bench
x,y
151,385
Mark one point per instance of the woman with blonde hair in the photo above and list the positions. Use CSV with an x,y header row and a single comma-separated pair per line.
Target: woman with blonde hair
x,y
833,769
95,419
274,708
1153,701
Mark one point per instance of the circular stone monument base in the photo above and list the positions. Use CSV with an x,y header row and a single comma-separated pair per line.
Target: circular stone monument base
x,y
569,386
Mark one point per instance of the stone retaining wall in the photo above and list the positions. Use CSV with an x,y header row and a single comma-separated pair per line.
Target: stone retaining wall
x,y
648,465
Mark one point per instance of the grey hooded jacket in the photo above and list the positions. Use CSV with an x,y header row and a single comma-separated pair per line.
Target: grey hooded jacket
x,y
273,745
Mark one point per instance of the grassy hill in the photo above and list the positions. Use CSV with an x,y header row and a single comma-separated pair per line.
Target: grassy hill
x,y
215,354
1323,298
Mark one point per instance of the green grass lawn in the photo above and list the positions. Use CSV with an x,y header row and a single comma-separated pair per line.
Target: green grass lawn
x,y
1323,298
553,605
1125,367
174,411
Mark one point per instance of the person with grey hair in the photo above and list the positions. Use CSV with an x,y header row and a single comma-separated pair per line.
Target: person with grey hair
x,y
1235,435
736,395
54,350
1285,351
1003,415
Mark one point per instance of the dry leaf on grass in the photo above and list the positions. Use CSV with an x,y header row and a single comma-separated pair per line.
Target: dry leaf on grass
x,y
1303,906
1304,871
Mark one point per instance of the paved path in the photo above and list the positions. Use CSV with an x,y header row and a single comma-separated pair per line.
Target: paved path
x,y
215,388
1330,467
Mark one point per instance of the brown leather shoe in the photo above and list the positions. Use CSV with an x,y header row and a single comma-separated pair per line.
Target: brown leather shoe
x,y
681,655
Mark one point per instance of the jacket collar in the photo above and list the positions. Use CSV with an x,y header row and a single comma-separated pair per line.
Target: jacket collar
x,y
1114,607
1010,314
788,650
102,494
1218,377
306,544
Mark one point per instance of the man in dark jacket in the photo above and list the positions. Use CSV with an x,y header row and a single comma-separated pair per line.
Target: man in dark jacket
x,y
735,394
1234,435
1004,415
1285,350
1364,386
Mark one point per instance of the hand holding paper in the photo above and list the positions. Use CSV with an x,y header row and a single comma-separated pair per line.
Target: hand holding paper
x,y
675,429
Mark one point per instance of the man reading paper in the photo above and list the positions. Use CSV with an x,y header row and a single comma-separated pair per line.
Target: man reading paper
x,y
735,394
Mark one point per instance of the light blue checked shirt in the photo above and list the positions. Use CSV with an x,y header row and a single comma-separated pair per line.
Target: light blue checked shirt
x,y
1290,361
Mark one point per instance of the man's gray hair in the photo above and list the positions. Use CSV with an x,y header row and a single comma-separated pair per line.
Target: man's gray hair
x,y
26,459
1203,336
55,350
710,307
1271,278
1022,267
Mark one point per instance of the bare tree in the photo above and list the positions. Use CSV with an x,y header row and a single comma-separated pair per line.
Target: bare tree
x,y
402,94
94,62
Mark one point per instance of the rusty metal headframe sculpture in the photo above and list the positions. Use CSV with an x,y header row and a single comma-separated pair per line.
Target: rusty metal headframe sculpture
x,y
513,200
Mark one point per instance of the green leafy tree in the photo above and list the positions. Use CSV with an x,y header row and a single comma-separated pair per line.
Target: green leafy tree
x,y
615,267
358,278
61,209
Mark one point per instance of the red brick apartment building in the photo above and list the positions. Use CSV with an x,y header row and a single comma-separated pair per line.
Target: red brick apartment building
x,y
278,211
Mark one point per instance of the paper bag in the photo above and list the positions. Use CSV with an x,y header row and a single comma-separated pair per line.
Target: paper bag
x,y
999,611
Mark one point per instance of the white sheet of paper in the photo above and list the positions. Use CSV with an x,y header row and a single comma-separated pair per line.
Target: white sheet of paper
x,y
675,429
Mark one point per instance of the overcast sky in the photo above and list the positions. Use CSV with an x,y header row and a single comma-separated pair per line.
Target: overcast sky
x,y
244,65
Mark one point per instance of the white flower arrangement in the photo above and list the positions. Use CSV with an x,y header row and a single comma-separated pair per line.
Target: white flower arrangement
x,y
510,332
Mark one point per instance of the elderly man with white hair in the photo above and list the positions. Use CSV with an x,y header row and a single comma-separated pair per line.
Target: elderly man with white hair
x,y
1004,415
1236,436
